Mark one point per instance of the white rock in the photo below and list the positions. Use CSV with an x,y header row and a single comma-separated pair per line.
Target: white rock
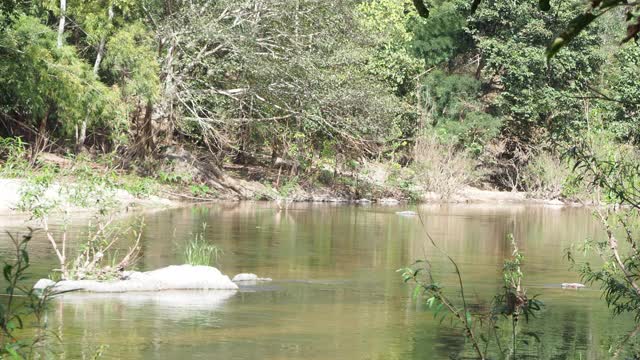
x,y
388,201
407,213
43,284
554,203
178,277
248,277
572,285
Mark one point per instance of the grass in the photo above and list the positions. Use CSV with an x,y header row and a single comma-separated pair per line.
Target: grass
x,y
200,252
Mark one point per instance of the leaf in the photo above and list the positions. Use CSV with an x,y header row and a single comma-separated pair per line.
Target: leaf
x,y
430,301
12,352
416,292
437,310
7,272
574,28
468,316
25,256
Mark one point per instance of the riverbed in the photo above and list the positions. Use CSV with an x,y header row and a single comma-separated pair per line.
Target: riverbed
x,y
335,292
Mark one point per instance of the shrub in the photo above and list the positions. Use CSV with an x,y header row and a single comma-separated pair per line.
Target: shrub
x,y
545,175
441,167
13,153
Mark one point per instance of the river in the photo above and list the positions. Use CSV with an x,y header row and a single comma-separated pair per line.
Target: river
x,y
335,292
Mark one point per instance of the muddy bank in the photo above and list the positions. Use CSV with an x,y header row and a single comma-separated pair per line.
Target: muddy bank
x,y
12,191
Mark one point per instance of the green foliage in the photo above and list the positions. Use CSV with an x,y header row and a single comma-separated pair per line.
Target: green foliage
x,y
263,91
173,177
546,176
13,154
612,171
198,251
23,308
584,20
514,301
289,187
481,329
140,187
131,61
34,198
453,109
387,21
200,190
44,82
511,38
623,91
441,37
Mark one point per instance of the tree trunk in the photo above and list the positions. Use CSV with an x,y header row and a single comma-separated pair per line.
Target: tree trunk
x,y
63,15
82,136
103,39
147,131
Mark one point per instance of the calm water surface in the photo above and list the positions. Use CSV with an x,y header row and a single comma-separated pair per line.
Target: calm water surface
x,y
335,293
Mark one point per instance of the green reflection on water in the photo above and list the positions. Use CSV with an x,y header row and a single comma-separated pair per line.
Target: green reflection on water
x,y
335,293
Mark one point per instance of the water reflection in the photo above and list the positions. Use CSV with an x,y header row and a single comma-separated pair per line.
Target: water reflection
x,y
336,294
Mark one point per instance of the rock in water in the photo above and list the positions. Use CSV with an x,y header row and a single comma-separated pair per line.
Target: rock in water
x,y
245,277
176,277
572,286
388,201
406,213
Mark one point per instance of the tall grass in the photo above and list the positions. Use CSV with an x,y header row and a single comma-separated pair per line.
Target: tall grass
x,y
442,168
200,252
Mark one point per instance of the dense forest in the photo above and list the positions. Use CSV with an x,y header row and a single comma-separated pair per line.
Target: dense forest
x,y
463,96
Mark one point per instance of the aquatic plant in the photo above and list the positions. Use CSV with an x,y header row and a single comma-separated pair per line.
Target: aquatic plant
x,y
514,301
480,327
198,251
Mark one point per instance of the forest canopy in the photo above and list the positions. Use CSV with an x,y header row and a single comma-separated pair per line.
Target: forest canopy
x,y
310,80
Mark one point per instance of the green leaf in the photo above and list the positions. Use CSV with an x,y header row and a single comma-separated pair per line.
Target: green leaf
x,y
430,301
25,256
416,292
7,272
574,28
12,352
437,310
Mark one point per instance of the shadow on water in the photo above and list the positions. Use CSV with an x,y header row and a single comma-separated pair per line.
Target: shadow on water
x,y
335,293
